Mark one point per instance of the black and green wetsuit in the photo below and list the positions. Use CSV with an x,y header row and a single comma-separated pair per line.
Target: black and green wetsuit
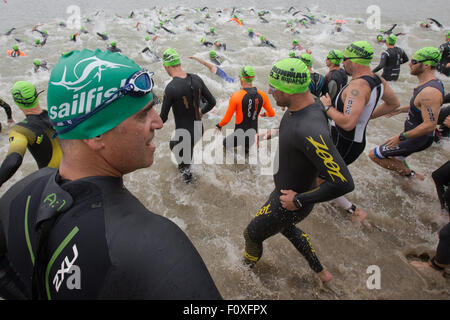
x,y
305,151
35,133
92,239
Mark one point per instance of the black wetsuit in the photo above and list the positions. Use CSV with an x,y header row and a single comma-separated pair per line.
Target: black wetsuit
x,y
113,49
267,43
444,131
317,85
103,36
92,239
305,151
35,134
390,62
445,59
335,80
8,111
352,143
183,96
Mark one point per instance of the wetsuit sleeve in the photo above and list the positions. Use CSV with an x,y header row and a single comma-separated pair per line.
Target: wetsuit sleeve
x,y
209,98
166,105
405,57
266,105
232,107
17,148
319,148
382,62
7,109
332,88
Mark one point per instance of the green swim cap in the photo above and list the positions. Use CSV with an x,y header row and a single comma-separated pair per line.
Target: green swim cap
x,y
290,76
44,32
24,95
15,47
429,56
80,81
171,58
36,62
392,39
295,42
113,43
212,54
335,56
448,35
250,30
211,29
262,38
147,38
247,74
307,59
202,40
379,38
37,41
291,54
360,52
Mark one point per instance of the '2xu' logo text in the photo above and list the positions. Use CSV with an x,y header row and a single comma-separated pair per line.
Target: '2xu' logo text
x,y
74,272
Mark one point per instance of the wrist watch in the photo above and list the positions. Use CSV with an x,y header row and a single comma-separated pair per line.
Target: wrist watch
x,y
327,108
402,136
297,202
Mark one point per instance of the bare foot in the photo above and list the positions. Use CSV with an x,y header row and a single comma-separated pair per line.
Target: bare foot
x,y
420,264
359,216
325,276
419,176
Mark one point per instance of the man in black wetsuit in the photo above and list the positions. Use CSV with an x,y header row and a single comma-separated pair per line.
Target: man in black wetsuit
x,y
444,65
183,94
33,133
113,47
305,151
353,109
421,122
317,85
391,59
336,77
8,111
82,234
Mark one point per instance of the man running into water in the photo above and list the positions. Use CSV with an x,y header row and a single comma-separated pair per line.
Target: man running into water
x,y
444,65
353,108
214,69
77,233
391,60
183,95
305,151
420,125
247,104
336,77
34,133
8,112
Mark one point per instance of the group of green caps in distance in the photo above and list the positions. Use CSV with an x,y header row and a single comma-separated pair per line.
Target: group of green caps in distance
x,y
289,75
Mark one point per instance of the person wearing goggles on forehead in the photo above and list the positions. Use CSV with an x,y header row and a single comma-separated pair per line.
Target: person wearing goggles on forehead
x,y
391,60
423,111
353,107
33,133
82,234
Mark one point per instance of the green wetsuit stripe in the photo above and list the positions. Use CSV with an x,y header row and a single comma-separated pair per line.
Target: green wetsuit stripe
x,y
27,234
55,255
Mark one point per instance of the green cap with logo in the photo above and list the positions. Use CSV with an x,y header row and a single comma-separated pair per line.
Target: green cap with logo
x,y
360,52
335,56
290,75
24,95
392,39
82,80
170,58
247,74
307,59
429,56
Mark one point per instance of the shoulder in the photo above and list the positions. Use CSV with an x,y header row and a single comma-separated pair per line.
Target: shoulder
x,y
262,94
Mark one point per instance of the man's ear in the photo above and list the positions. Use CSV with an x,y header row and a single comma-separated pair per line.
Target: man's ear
x,y
96,143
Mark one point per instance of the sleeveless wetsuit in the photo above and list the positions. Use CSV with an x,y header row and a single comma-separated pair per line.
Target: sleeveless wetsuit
x,y
352,143
305,151
335,80
247,104
390,62
317,85
183,96
445,59
412,145
92,239
34,133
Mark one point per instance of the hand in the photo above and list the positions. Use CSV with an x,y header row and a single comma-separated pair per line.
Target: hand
x,y
217,131
392,142
393,113
308,51
326,100
287,200
447,122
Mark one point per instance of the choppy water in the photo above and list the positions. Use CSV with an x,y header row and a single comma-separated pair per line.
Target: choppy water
x,y
402,219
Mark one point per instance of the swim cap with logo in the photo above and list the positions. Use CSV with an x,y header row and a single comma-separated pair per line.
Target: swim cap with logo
x,y
360,52
307,59
392,39
247,74
212,54
24,95
290,76
171,58
335,56
82,80
429,56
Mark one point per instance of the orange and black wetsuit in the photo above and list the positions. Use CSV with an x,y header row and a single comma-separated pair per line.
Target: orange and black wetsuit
x,y
35,133
247,104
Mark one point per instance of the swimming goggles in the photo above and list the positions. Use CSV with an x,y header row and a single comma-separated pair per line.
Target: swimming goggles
x,y
19,98
414,61
138,84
